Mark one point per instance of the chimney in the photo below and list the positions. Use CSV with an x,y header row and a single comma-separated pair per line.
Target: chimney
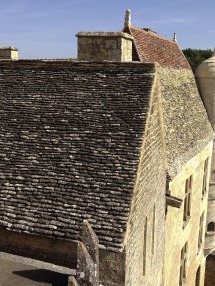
x,y
8,53
104,46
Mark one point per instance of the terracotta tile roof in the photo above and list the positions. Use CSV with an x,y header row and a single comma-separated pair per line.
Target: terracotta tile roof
x,y
70,140
149,47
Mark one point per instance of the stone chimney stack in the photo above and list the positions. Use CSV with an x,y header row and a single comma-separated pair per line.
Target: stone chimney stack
x,y
8,53
104,46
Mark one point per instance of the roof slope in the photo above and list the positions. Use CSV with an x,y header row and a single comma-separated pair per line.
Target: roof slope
x,y
187,128
70,138
152,48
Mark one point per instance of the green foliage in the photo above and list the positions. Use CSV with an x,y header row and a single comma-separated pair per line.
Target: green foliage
x,y
195,57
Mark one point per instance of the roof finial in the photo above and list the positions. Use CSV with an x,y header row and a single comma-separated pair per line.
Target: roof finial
x,y
127,18
174,38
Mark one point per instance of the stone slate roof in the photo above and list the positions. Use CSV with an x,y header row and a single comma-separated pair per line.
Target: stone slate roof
x,y
70,140
149,47
186,124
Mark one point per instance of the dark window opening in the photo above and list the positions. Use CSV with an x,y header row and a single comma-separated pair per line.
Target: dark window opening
x,y
211,227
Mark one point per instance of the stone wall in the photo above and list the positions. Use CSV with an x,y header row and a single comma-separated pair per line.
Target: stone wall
x,y
111,268
145,235
56,251
179,232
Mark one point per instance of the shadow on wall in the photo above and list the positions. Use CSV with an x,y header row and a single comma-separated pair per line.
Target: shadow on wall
x,y
44,276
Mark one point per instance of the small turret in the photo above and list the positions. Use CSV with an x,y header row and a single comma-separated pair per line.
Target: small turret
x,y
205,77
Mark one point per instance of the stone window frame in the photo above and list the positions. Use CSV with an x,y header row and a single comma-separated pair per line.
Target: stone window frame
x,y
187,199
183,265
205,176
201,231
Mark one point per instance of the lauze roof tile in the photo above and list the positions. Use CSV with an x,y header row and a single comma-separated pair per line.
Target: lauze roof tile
x,y
70,139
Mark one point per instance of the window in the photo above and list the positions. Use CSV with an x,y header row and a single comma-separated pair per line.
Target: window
x,y
187,198
201,231
204,184
211,227
145,248
183,266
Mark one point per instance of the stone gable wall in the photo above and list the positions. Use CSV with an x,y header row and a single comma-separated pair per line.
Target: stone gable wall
x,y
148,202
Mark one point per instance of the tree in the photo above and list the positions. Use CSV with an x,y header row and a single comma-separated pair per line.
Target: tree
x,y
195,57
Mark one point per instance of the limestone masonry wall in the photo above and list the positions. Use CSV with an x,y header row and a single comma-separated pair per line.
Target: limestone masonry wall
x,y
56,251
145,237
178,231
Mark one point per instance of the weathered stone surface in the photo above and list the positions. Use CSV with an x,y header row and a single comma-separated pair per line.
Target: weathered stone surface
x,y
112,268
47,249
145,242
86,270
179,232
90,241
71,135
104,46
186,125
72,281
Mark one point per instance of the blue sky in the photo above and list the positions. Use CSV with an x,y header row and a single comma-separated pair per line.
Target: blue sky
x,y
47,28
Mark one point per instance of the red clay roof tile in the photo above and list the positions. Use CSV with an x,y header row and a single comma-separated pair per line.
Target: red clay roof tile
x,y
149,47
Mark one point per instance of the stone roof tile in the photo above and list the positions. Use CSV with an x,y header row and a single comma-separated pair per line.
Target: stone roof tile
x,y
70,140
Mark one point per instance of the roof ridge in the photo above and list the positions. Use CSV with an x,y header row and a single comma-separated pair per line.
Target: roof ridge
x,y
153,34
